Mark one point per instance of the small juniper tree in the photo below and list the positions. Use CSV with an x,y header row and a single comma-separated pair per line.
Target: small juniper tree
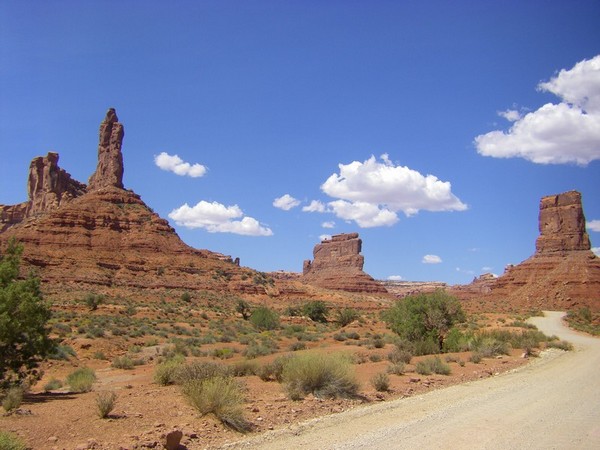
x,y
24,315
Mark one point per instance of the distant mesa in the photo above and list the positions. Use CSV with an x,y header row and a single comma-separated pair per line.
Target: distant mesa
x,y
103,235
563,273
338,265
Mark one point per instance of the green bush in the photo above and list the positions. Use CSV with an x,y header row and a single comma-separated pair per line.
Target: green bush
x,y
105,403
396,368
13,398
244,368
62,352
562,345
243,307
81,380
220,396
122,362
199,370
346,316
381,382
323,375
264,318
9,441
165,372
432,365
425,317
297,346
316,311
93,301
53,385
273,371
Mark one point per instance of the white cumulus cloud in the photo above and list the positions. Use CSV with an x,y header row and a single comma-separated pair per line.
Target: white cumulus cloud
x,y
328,224
217,218
431,259
372,192
314,206
173,163
395,278
593,225
561,133
286,202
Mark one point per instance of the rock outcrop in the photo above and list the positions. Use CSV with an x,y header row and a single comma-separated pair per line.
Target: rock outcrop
x,y
109,172
80,237
563,273
338,264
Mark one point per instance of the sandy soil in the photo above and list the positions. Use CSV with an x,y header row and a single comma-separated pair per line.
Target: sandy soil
x,y
552,403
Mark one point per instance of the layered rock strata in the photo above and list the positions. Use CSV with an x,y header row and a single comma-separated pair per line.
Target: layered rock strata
x,y
338,264
563,273
103,235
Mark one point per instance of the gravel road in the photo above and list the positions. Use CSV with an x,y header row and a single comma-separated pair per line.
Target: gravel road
x,y
552,403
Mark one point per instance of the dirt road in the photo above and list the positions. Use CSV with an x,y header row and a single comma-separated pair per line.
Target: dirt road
x,y
553,403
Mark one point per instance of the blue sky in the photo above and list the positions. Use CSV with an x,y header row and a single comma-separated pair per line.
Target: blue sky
x,y
432,128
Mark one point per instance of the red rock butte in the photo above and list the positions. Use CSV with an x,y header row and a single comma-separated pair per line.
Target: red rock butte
x,y
102,235
563,273
338,265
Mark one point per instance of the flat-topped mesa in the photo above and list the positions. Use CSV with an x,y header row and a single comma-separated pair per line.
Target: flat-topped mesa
x,y
562,224
109,172
338,264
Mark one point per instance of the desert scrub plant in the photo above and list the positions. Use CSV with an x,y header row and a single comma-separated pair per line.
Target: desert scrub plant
x,y
243,368
381,382
81,380
396,368
13,398
273,371
52,385
323,375
105,403
199,370
93,301
346,316
561,345
165,372
432,365
122,362
316,311
220,396
264,318
9,441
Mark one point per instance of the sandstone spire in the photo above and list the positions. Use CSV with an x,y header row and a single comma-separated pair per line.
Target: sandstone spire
x,y
109,172
562,224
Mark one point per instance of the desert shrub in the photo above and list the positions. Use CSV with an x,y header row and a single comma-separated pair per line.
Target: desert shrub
x,y
262,348
273,371
222,353
340,337
243,368
426,347
346,316
165,372
220,396
9,441
475,357
400,355
425,317
105,403
375,357
396,368
381,382
93,301
122,362
62,352
186,297
455,341
13,398
81,380
488,346
100,355
52,385
243,307
199,370
264,318
323,375
378,342
24,315
297,346
562,345
353,335
432,365
316,311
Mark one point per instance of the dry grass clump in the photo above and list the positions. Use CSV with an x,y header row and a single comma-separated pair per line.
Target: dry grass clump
x,y
220,396
82,379
323,375
9,441
432,365
381,382
105,403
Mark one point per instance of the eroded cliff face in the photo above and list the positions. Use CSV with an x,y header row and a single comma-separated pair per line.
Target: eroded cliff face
x,y
563,273
102,235
338,264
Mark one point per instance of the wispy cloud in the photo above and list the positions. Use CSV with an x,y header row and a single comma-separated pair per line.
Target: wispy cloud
x,y
329,224
217,218
372,192
431,259
566,132
286,202
173,163
314,206
593,225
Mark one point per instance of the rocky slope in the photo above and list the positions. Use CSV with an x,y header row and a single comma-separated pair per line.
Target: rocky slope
x,y
338,265
562,274
100,235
